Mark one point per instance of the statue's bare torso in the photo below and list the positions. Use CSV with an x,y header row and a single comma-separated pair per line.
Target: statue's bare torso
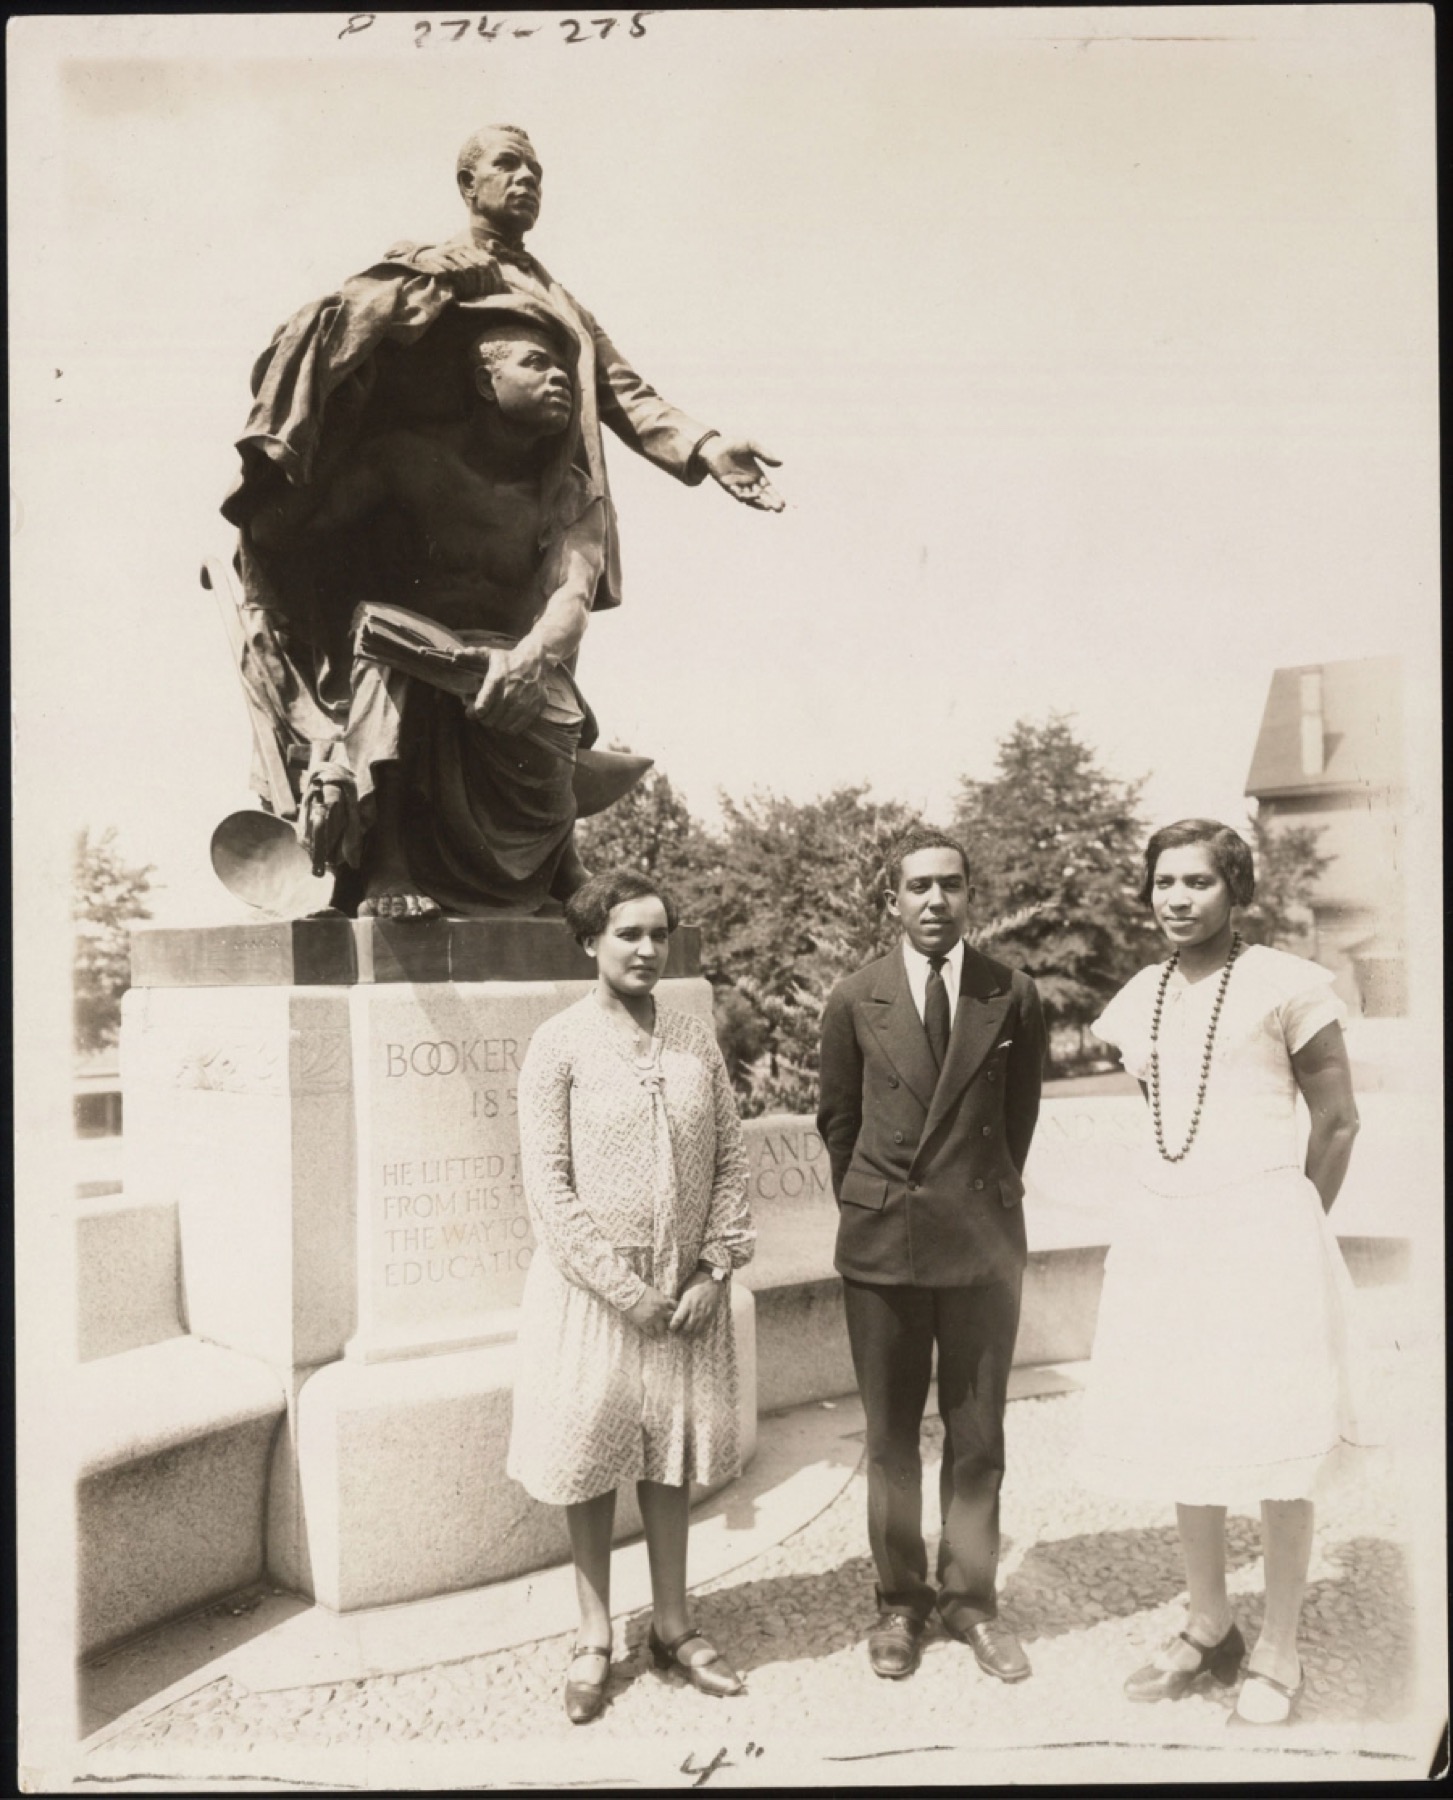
x,y
471,535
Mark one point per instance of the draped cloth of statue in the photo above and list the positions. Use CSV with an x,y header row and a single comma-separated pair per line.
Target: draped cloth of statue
x,y
331,344
387,352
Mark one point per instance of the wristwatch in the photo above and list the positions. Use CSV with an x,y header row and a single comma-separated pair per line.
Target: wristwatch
x,y
717,1274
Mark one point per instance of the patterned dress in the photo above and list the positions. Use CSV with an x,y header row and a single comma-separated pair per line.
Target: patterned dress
x,y
634,1171
1221,1371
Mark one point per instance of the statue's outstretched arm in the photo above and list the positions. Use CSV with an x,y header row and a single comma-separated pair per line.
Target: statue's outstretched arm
x,y
639,417
671,439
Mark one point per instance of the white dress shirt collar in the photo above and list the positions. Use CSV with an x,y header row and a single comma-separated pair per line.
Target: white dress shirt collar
x,y
915,966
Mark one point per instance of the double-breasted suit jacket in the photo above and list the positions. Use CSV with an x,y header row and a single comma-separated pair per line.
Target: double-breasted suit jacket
x,y
928,1165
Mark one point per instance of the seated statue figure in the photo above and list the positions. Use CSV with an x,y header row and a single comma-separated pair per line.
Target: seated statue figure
x,y
466,551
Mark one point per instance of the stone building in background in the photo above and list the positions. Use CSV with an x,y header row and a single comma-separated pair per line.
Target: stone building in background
x,y
1329,755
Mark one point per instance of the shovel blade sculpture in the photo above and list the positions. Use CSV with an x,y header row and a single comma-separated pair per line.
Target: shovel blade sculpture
x,y
257,856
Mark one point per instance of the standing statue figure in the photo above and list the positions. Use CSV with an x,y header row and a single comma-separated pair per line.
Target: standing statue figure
x,y
424,528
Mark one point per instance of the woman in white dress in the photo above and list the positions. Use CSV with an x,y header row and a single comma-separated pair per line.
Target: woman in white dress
x,y
635,1178
1220,1370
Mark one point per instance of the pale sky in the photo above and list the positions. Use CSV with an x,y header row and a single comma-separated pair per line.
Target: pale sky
x,y
1099,348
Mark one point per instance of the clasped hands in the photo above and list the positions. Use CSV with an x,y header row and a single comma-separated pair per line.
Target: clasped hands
x,y
654,1315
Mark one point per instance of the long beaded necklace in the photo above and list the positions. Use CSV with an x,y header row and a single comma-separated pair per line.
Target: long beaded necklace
x,y
1170,969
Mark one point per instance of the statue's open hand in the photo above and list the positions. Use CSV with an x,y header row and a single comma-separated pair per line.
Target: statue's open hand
x,y
329,825
512,695
736,464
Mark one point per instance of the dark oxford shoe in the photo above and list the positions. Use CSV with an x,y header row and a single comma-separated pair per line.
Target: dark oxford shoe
x,y
997,1651
895,1644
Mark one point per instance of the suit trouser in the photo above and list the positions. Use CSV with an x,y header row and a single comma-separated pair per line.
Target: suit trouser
x,y
892,1331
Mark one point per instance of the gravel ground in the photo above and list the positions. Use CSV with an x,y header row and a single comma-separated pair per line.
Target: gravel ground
x,y
1093,1585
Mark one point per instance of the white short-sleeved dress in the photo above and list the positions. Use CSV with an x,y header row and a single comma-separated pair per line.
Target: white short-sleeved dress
x,y
1221,1372
634,1171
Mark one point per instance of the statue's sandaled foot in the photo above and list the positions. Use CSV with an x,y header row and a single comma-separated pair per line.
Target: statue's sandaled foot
x,y
397,900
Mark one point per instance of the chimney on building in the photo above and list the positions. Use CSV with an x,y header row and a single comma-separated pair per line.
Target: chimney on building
x,y
1314,756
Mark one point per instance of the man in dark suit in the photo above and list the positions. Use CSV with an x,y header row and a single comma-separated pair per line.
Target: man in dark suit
x,y
930,1078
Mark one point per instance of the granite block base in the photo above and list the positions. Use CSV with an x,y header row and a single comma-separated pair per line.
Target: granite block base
x,y
128,1276
173,1444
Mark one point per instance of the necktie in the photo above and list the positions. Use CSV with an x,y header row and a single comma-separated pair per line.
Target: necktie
x,y
514,254
935,1010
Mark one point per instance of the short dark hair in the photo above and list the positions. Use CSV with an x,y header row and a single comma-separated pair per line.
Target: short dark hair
x,y
1229,852
472,148
489,349
918,836
597,897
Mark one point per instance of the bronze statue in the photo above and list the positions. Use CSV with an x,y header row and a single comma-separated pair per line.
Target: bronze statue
x,y
424,528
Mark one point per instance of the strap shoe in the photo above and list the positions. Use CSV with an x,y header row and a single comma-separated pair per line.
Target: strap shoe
x,y
710,1674
1157,1682
584,1699
1265,1701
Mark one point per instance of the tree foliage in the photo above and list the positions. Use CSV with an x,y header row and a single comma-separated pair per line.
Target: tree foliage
x,y
1056,843
107,894
1289,864
792,904
651,829
788,894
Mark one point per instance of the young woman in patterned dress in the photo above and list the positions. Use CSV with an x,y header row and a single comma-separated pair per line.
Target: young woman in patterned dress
x,y
1220,1372
636,1179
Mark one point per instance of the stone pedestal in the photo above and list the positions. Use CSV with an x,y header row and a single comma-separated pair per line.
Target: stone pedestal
x,y
331,1106
239,1110
443,1235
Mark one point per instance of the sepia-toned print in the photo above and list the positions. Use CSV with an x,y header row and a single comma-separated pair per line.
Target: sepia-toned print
x,y
772,1129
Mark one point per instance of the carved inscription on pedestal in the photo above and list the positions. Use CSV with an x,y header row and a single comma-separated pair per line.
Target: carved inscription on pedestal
x,y
455,1220
788,1163
1082,1150
444,1233
448,1237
